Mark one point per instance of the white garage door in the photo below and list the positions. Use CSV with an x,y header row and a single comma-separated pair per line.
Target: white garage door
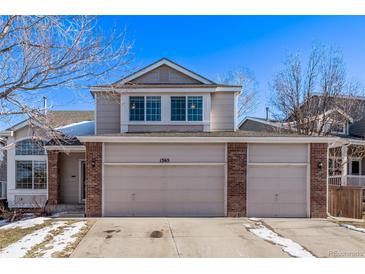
x,y
277,180
191,184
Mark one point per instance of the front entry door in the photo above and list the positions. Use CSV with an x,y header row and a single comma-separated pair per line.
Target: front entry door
x,y
82,180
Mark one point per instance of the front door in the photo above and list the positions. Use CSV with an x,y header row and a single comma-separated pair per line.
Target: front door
x,y
82,180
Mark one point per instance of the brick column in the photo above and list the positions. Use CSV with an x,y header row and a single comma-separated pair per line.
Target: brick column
x,y
53,186
93,179
236,179
318,186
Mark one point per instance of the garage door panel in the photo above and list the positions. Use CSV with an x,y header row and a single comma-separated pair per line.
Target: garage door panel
x,y
185,196
285,153
277,190
170,191
193,209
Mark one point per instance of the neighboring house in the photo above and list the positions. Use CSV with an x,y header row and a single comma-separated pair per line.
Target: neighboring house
x,y
346,164
260,125
167,143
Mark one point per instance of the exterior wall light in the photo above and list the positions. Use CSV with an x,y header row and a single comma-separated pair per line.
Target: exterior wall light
x,y
93,163
320,165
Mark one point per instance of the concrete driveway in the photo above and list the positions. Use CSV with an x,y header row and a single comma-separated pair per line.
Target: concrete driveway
x,y
212,237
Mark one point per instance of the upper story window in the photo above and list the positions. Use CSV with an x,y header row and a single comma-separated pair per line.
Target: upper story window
x,y
178,108
136,108
30,147
195,108
153,108
338,128
190,107
145,108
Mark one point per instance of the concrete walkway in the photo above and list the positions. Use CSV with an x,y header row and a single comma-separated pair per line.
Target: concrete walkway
x,y
213,237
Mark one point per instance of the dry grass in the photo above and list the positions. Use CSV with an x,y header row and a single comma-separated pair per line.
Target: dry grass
x,y
37,251
13,235
9,236
79,236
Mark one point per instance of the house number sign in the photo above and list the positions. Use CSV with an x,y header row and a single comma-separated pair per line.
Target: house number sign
x,y
164,160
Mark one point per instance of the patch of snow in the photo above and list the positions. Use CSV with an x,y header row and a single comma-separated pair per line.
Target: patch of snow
x,y
20,248
61,241
254,219
292,248
25,223
78,129
352,227
3,222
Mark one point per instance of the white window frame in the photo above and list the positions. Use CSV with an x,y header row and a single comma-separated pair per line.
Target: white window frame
x,y
144,108
32,160
359,160
343,129
29,158
186,108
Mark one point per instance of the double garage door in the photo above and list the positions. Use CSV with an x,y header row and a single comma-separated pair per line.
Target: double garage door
x,y
190,180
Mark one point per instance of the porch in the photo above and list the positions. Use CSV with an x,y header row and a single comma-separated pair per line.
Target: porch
x,y
346,164
66,179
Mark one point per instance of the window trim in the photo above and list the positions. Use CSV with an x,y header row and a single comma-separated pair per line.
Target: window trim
x,y
187,108
343,130
144,109
31,160
29,155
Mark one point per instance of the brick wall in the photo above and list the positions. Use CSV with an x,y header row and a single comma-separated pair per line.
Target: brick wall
x,y
53,180
236,179
93,179
318,201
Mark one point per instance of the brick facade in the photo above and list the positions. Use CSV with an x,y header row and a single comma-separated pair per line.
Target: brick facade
x,y
318,184
236,179
53,180
93,185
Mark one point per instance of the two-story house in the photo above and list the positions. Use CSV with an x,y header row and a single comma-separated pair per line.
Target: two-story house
x,y
164,142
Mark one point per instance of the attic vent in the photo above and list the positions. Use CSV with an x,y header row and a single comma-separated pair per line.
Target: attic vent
x,y
164,75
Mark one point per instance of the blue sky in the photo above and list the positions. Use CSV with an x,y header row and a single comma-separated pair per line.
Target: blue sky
x,y
211,45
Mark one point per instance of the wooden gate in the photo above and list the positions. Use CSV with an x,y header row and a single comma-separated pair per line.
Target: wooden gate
x,y
345,201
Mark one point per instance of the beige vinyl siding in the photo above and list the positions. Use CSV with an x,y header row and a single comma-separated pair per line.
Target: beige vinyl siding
x,y
222,111
163,75
69,177
164,128
107,113
177,153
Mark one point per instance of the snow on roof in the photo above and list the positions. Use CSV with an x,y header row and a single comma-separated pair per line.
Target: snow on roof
x,y
78,129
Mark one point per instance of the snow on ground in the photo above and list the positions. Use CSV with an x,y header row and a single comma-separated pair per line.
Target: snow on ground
x,y
61,241
359,229
20,248
292,248
25,223
254,219
3,222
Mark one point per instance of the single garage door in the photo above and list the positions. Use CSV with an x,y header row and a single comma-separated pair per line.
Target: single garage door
x,y
277,180
190,184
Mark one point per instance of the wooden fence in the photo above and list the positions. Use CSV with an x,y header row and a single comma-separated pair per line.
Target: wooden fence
x,y
345,201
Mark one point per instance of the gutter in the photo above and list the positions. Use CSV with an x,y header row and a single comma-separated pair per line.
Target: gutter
x,y
7,133
164,139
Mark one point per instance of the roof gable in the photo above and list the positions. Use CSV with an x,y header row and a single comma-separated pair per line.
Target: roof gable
x,y
164,71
